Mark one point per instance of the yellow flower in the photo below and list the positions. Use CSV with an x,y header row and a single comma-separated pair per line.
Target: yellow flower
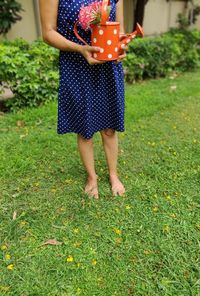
x,y
68,181
78,290
155,209
147,252
118,240
166,228
168,197
117,231
5,289
77,244
198,226
22,223
78,264
70,259
127,207
94,262
173,215
53,190
7,256
194,141
76,230
3,247
10,266
59,210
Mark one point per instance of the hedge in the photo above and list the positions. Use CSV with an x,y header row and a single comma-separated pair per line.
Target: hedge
x,y
30,70
159,56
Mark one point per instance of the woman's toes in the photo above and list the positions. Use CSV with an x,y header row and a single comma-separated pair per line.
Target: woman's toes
x,y
114,192
117,187
94,193
122,192
91,185
92,190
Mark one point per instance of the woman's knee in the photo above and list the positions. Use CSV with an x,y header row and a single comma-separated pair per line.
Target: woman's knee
x,y
81,137
108,131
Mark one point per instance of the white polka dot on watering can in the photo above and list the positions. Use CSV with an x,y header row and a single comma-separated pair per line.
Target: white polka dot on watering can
x,y
109,42
116,49
110,56
115,31
101,50
95,40
101,32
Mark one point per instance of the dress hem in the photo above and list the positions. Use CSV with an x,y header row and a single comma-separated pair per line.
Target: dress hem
x,y
89,137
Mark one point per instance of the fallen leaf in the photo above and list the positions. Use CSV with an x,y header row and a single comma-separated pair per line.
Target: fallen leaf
x,y
38,122
22,136
173,87
52,242
20,123
14,215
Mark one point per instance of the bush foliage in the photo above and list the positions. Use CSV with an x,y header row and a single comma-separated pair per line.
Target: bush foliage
x,y
176,50
31,70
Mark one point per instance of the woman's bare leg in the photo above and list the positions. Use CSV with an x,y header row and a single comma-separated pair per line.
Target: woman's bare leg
x,y
85,147
110,144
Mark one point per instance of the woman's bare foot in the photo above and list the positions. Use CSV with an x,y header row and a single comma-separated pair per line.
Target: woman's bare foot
x,y
116,185
91,187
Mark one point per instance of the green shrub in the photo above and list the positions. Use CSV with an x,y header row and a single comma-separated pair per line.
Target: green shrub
x,y
158,56
30,71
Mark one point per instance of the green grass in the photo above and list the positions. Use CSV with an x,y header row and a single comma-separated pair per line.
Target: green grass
x,y
145,243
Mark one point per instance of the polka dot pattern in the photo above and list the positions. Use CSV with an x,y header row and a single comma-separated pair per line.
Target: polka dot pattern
x,y
91,97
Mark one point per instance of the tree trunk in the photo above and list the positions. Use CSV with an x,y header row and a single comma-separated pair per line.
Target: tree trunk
x,y
139,12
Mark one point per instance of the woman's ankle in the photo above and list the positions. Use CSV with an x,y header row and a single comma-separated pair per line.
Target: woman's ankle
x,y
92,176
113,175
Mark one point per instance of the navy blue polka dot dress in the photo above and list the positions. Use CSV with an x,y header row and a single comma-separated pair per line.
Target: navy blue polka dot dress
x,y
91,97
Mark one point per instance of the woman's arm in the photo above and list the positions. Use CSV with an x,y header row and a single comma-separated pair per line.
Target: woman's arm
x,y
48,14
120,15
122,35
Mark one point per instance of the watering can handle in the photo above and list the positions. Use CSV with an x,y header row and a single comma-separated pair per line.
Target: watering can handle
x,y
77,35
104,13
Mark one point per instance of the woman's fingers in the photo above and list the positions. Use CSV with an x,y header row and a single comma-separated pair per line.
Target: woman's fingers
x,y
93,61
120,57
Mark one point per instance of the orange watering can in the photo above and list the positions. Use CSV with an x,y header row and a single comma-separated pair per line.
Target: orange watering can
x,y
106,35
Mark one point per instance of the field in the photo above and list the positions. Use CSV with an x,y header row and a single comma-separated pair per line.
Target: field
x,y
145,243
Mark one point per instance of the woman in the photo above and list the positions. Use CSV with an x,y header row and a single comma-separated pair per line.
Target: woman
x,y
91,92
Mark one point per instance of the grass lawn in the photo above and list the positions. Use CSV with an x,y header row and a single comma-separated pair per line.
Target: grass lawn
x,y
145,243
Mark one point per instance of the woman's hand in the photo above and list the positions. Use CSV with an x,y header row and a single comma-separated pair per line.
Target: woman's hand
x,y
122,52
87,50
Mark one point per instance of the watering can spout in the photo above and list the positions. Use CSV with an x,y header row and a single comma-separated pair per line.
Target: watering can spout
x,y
138,32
